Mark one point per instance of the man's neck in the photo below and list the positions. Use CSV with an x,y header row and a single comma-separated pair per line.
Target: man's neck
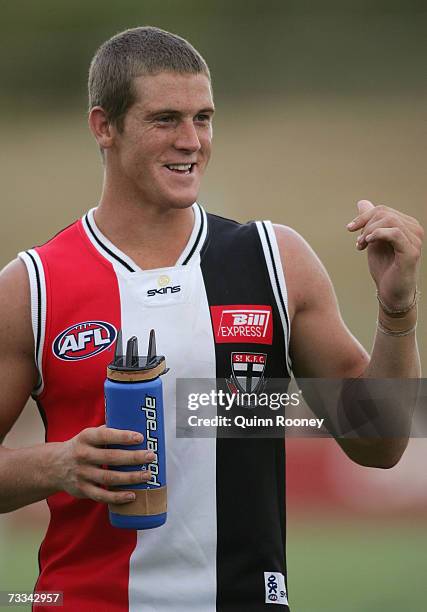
x,y
152,237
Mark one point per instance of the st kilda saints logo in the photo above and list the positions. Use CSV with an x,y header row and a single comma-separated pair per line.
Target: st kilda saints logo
x,y
83,340
247,372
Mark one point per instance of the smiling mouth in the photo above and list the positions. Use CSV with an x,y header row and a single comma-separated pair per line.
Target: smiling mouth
x,y
180,168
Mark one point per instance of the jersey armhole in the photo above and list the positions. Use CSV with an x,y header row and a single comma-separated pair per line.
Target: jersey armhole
x,y
36,277
277,279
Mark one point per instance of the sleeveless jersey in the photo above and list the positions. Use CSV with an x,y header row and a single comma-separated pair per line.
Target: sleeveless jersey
x,y
223,545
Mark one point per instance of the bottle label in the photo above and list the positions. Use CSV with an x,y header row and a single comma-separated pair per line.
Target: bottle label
x,y
151,436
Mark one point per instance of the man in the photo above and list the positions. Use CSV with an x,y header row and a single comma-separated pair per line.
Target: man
x,y
222,547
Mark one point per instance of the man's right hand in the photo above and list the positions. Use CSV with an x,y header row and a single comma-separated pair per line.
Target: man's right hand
x,y
77,464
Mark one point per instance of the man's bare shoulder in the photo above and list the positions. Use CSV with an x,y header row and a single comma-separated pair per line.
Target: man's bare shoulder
x,y
17,360
321,344
15,309
15,272
306,276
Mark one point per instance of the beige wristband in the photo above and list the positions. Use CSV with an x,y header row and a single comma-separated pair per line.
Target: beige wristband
x,y
396,312
394,332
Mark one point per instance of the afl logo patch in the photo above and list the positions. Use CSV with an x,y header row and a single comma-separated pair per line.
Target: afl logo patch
x,y
83,340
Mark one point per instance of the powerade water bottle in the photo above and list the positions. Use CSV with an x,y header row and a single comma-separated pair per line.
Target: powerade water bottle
x,y
134,401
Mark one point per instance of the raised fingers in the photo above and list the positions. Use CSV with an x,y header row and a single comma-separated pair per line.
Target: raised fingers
x,y
390,221
394,236
384,212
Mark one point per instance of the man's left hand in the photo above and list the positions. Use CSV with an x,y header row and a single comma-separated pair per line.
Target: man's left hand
x,y
394,242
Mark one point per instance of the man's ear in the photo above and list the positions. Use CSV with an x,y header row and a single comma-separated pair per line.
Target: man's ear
x,y
100,127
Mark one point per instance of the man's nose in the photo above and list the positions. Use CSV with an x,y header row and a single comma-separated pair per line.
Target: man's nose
x,y
187,137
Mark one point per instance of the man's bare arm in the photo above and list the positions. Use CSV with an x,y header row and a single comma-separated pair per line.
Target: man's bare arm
x,y
323,347
31,474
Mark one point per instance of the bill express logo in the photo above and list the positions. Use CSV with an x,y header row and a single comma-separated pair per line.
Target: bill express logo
x,y
84,340
242,323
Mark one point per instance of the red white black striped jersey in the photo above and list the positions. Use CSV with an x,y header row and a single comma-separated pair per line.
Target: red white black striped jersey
x,y
223,545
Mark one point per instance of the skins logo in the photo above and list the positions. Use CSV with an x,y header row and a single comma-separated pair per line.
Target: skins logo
x,y
83,340
164,283
242,324
163,290
247,372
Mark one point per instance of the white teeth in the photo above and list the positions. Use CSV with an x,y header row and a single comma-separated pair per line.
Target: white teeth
x,y
182,167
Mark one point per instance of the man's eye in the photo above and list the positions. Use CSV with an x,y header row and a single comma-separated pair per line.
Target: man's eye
x,y
202,117
166,119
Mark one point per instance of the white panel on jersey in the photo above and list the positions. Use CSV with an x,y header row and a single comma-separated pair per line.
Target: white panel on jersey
x,y
163,286
173,567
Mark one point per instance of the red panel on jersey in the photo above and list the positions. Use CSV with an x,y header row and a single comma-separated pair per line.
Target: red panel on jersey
x,y
82,554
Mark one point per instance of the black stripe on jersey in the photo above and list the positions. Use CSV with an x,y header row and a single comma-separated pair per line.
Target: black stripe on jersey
x,y
276,277
250,472
39,318
202,223
103,246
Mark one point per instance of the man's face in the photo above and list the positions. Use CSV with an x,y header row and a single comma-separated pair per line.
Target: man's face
x,y
165,144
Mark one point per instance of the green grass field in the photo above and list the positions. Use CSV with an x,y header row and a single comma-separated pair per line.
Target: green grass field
x,y
358,567
345,567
